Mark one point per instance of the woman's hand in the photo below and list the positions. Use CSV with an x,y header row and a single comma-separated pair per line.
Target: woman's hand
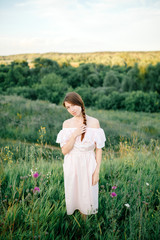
x,y
81,129
95,177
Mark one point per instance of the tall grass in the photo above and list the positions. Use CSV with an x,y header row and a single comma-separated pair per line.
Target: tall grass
x,y
27,214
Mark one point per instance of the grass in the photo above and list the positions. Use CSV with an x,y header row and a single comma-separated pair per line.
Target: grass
x,y
22,118
134,169
131,162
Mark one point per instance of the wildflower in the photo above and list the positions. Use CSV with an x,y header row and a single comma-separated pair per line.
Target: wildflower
x,y
114,187
113,194
36,189
127,205
147,183
35,175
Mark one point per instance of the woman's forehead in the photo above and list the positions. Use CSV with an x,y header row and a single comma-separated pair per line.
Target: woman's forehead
x,y
68,104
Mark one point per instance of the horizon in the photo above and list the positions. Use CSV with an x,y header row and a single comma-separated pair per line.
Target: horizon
x,y
79,52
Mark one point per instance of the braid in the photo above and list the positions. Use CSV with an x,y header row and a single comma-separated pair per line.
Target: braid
x,y
84,120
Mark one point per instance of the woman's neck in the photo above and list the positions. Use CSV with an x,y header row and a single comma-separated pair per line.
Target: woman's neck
x,y
79,118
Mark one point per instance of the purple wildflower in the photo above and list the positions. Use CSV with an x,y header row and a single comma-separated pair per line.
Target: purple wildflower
x,y
35,175
113,194
114,187
36,189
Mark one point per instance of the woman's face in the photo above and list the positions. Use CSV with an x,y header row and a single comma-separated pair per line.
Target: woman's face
x,y
73,109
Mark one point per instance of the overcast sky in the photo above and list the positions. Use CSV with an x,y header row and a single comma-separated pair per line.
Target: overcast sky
x,y
39,26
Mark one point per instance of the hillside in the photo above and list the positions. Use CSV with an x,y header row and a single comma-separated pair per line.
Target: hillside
x,y
106,58
22,118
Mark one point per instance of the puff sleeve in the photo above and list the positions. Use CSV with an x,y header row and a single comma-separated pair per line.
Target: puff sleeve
x,y
100,138
62,137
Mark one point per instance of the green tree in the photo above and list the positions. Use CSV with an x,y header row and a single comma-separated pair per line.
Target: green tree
x,y
3,77
43,66
86,75
152,78
111,80
87,95
18,75
51,88
132,81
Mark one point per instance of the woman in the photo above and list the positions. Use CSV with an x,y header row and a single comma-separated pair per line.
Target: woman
x,y
78,138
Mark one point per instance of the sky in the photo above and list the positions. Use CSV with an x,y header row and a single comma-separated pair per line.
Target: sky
x,y
76,26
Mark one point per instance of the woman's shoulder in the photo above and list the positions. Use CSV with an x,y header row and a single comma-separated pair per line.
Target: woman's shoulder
x,y
93,122
67,123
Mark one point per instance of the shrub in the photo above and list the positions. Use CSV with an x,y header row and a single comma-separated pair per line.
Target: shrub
x,y
140,101
26,92
86,94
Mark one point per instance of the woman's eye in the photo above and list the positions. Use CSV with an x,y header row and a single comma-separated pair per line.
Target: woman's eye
x,y
72,105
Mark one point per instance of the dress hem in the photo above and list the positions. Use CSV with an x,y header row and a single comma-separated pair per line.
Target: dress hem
x,y
82,212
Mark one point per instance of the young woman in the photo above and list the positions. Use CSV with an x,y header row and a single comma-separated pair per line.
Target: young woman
x,y
79,137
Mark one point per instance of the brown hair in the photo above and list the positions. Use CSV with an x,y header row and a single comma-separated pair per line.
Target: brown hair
x,y
75,98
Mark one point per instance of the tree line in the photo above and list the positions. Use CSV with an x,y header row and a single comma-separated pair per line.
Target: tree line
x,y
107,87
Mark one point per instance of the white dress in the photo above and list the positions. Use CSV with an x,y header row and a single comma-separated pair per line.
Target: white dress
x,y
79,165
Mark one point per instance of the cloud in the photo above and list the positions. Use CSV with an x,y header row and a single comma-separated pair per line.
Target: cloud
x,y
78,26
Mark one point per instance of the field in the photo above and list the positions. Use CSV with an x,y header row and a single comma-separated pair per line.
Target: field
x,y
131,162
22,118
75,59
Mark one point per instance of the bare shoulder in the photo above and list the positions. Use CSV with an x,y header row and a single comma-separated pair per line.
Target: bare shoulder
x,y
67,123
93,122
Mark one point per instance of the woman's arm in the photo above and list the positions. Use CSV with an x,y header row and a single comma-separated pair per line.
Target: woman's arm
x,y
70,143
95,176
98,156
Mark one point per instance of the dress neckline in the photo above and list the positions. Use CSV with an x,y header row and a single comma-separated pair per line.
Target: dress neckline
x,y
75,128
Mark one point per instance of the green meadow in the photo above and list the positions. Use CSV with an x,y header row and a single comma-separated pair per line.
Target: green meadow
x,y
34,208
22,118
